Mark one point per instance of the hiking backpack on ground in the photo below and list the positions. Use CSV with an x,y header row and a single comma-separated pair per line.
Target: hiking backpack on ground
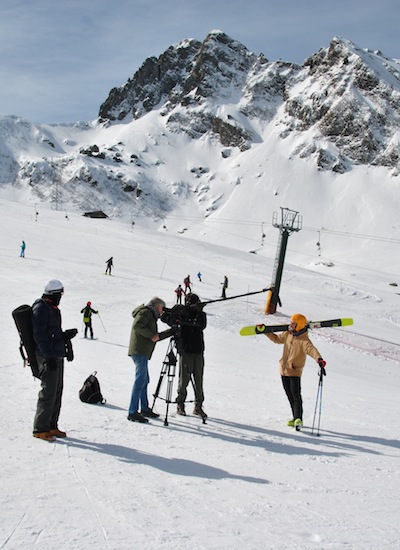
x,y
90,391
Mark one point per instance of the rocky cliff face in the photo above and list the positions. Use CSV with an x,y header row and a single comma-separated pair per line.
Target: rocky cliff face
x,y
204,117
343,103
186,74
350,97
187,82
152,84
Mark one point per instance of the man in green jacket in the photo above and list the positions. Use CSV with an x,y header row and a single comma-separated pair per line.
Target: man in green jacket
x,y
144,336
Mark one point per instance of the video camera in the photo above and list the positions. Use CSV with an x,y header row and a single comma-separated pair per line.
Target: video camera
x,y
178,315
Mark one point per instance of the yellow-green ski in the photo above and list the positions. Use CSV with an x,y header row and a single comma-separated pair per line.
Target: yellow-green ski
x,y
265,329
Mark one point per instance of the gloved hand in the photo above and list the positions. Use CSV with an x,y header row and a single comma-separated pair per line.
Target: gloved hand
x,y
322,364
69,352
70,333
52,363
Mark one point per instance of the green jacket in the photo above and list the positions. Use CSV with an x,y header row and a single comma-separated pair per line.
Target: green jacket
x,y
143,329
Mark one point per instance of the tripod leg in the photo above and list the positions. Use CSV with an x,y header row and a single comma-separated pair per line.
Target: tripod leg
x,y
164,370
167,369
171,376
159,383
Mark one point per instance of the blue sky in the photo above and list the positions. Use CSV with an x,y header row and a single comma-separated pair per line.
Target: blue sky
x,y
60,58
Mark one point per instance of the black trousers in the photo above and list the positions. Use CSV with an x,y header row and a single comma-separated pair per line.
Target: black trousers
x,y
292,387
88,327
191,364
50,395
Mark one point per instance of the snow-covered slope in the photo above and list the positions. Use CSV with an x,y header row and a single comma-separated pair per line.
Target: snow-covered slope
x,y
242,481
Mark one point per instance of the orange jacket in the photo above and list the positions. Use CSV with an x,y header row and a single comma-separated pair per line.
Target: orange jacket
x,y
295,351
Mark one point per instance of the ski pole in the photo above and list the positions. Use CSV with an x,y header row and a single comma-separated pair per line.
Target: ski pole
x,y
102,324
318,401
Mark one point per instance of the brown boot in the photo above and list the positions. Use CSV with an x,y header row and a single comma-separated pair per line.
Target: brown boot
x,y
58,433
46,436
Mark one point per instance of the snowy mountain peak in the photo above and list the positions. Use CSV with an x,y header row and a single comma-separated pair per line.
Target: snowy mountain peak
x,y
349,97
186,70
344,95
151,84
220,63
212,129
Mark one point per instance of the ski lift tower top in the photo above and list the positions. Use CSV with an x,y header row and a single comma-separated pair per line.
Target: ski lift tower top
x,y
290,220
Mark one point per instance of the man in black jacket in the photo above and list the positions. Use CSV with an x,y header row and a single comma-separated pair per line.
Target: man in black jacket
x,y
190,346
52,345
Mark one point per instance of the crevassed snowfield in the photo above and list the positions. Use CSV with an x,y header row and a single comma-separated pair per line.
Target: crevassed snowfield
x,y
243,480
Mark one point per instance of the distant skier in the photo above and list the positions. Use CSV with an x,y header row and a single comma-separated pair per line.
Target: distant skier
x,y
224,286
110,265
187,282
179,293
199,276
296,347
22,253
87,318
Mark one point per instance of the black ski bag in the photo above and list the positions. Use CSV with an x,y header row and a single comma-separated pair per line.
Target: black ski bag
x,y
90,391
22,316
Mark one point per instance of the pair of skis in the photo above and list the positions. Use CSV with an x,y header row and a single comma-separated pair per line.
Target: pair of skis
x,y
265,329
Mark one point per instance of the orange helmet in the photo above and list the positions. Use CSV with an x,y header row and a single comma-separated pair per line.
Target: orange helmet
x,y
300,320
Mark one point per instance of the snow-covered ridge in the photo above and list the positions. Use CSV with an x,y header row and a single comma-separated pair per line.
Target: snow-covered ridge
x,y
210,133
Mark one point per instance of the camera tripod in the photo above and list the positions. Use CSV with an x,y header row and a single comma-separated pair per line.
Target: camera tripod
x,y
168,369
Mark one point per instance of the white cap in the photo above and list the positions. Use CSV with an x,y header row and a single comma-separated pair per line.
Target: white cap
x,y
53,286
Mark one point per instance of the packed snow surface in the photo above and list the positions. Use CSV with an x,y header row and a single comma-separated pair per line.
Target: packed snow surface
x,y
244,480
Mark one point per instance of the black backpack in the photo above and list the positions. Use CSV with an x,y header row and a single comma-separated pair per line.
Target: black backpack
x,y
90,391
